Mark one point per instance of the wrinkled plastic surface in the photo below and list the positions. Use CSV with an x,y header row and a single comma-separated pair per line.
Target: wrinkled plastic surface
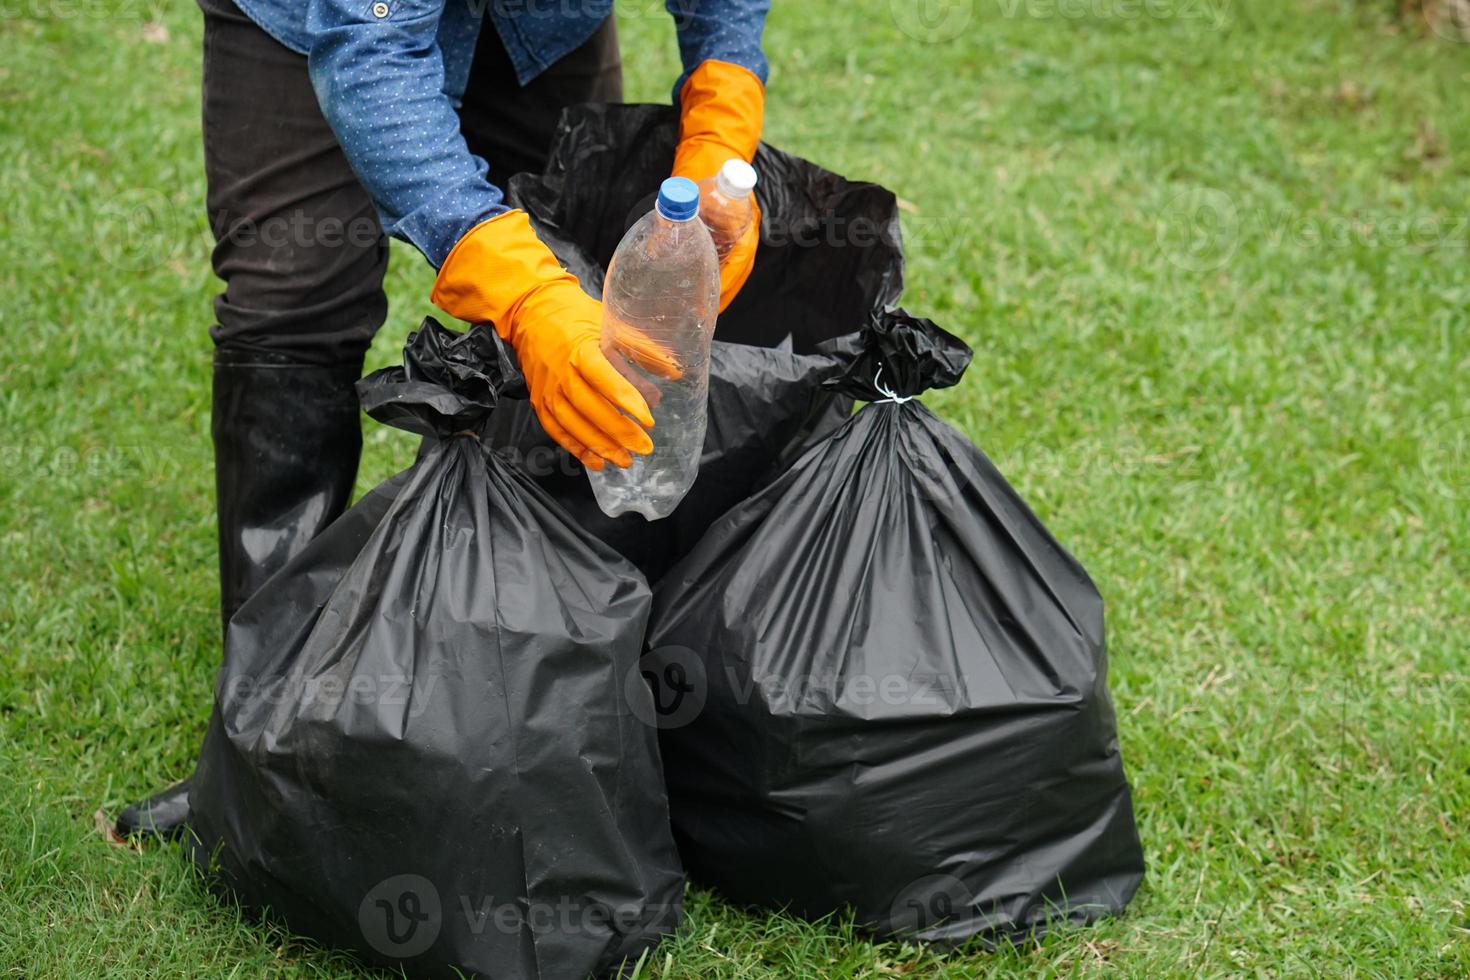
x,y
762,404
830,260
422,745
883,684
831,253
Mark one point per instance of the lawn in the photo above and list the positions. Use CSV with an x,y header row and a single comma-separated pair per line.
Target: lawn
x,y
1214,258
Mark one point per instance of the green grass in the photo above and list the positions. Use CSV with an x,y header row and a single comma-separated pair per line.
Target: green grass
x,y
1208,352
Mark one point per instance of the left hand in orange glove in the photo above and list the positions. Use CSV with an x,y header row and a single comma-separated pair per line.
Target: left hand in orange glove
x,y
721,113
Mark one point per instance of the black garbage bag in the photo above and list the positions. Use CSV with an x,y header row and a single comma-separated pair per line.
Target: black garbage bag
x,y
422,745
882,684
763,404
830,259
831,252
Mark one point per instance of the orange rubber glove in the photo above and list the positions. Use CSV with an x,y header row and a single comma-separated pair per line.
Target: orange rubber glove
x,y
501,273
722,110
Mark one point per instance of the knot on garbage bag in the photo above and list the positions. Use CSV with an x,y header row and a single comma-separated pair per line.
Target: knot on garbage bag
x,y
899,356
448,385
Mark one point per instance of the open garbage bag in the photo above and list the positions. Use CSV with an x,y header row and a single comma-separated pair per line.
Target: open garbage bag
x,y
763,404
830,259
422,745
882,684
830,255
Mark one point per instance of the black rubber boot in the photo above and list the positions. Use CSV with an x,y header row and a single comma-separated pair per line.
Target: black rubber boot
x,y
163,815
286,446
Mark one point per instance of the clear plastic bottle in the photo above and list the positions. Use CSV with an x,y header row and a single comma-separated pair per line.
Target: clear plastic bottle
x,y
726,204
659,304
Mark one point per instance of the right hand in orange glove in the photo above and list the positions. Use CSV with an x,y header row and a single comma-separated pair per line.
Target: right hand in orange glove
x,y
722,109
501,273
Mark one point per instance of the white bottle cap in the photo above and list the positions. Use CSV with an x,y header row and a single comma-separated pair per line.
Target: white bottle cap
x,y
736,179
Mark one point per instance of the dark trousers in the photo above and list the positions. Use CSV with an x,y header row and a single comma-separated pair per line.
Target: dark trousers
x,y
298,243
302,256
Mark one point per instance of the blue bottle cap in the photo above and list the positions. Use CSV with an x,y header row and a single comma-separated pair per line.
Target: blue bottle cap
x,y
678,199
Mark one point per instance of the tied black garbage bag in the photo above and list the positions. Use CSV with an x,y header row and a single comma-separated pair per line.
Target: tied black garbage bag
x,y
882,684
422,745
830,259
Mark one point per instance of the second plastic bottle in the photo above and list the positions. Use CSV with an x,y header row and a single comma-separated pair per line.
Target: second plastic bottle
x,y
727,205
660,300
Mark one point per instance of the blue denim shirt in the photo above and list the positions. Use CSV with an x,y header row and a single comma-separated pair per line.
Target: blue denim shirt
x,y
389,75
